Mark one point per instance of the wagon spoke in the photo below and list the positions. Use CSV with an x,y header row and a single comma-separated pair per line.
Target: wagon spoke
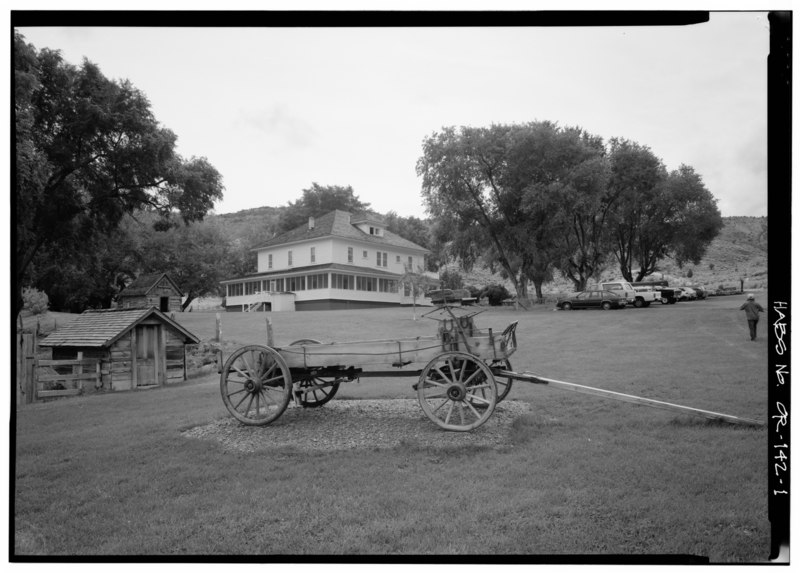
x,y
474,411
449,412
249,404
266,374
246,376
442,374
441,395
473,375
239,403
463,371
443,402
475,398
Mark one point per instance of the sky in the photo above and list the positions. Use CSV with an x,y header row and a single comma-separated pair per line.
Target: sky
x,y
277,109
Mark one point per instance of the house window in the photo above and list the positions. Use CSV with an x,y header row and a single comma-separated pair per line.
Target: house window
x,y
382,259
277,285
398,259
236,289
343,282
295,283
252,287
410,263
349,254
290,258
367,284
269,261
313,254
366,254
318,281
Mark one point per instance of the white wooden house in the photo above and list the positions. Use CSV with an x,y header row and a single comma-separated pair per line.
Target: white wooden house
x,y
335,261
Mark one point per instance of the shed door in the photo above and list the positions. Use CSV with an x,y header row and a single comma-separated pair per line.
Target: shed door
x,y
146,355
164,304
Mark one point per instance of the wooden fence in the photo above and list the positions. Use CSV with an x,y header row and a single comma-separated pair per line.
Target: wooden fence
x,y
26,368
41,378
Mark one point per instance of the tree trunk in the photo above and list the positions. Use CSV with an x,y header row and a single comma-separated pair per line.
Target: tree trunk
x,y
189,298
537,285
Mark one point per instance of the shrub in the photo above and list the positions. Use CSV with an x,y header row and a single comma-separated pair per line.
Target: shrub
x,y
474,291
35,301
496,294
451,280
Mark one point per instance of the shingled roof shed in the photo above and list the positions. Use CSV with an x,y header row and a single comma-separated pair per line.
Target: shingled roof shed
x,y
137,347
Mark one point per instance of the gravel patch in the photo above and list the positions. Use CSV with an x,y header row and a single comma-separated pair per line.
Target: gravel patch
x,y
353,424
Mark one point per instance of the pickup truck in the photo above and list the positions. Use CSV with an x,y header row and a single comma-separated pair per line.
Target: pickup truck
x,y
638,296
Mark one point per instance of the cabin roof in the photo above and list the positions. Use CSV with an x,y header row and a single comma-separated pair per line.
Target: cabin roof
x,y
102,328
143,284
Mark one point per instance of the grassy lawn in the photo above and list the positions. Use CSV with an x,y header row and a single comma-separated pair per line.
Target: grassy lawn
x,y
582,475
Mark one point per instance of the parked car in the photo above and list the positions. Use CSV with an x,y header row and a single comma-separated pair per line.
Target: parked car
x,y
688,294
600,298
669,295
702,292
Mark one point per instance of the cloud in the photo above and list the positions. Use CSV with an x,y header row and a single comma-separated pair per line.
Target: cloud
x,y
279,125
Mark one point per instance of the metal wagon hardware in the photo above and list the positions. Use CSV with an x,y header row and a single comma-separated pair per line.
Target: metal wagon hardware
x,y
458,384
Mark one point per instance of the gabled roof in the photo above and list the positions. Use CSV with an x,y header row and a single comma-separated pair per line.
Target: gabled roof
x,y
339,224
143,284
102,328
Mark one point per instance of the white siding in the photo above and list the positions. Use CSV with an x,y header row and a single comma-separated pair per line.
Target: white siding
x,y
334,250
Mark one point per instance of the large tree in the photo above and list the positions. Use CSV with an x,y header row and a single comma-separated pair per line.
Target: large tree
x,y
583,209
635,179
657,214
89,151
196,256
318,200
465,188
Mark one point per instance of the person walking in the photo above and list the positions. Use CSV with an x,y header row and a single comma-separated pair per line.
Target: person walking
x,y
751,309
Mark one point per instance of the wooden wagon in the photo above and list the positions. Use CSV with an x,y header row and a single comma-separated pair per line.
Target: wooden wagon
x,y
457,389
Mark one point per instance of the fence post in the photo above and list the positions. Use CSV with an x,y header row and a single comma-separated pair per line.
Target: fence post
x,y
269,333
219,341
26,368
20,370
78,369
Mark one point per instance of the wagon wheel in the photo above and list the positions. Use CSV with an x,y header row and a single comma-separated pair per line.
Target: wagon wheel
x,y
457,391
256,385
320,396
503,383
